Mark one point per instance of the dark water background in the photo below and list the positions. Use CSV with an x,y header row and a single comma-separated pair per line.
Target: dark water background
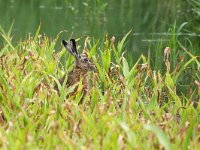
x,y
149,20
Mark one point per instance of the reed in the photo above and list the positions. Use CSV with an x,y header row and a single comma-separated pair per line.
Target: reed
x,y
127,106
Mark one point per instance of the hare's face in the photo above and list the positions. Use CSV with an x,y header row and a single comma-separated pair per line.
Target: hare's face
x,y
82,61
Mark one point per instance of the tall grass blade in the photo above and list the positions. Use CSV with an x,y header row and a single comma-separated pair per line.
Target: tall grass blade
x,y
163,138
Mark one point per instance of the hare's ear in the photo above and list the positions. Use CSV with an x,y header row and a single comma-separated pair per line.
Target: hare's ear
x,y
73,43
71,47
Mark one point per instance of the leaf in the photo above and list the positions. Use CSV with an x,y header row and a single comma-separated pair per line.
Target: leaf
x,y
143,108
169,81
153,103
188,135
51,48
106,56
182,26
121,43
7,38
37,33
93,50
183,68
6,86
125,67
10,29
175,97
94,98
100,71
130,134
133,69
163,139
3,50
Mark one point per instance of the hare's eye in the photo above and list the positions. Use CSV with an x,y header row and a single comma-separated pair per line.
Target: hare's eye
x,y
85,59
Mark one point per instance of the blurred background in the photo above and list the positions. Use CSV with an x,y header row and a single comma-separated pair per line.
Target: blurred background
x,y
151,21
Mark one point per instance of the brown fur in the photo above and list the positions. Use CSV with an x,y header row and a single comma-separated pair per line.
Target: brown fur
x,y
82,66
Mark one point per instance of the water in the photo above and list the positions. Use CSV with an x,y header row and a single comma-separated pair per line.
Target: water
x,y
148,19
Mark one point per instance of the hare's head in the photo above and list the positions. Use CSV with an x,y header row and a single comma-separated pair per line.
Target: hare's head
x,y
82,61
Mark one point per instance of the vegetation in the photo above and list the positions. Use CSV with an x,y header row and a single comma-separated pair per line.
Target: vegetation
x,y
127,107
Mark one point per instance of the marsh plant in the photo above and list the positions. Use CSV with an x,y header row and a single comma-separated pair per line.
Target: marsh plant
x,y
126,107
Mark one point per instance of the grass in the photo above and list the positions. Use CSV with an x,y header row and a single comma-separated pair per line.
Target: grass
x,y
128,107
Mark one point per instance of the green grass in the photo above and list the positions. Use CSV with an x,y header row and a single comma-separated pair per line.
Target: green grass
x,y
127,106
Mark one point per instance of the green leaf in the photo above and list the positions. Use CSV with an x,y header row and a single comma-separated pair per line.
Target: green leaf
x,y
10,29
37,33
163,139
6,38
188,135
153,103
133,69
93,50
4,49
125,67
175,97
121,43
169,81
183,68
106,56
6,86
94,98
130,134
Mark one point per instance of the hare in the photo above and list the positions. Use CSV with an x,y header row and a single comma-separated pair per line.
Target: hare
x,y
80,71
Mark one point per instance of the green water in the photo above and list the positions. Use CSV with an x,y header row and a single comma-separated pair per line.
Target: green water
x,y
149,20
